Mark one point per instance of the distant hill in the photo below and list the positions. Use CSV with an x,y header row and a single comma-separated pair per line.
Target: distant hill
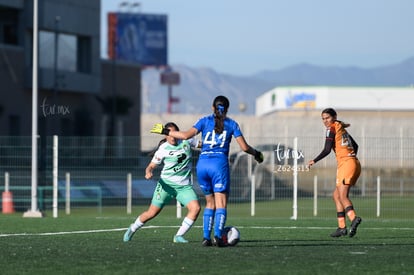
x,y
199,86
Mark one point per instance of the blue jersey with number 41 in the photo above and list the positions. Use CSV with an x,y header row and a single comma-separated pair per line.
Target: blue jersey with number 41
x,y
216,144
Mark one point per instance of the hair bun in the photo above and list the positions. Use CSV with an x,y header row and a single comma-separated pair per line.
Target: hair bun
x,y
221,100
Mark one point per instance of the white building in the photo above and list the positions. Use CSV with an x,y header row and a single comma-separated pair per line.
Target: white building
x,y
341,98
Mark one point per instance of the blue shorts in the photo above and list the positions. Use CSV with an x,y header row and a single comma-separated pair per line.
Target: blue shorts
x,y
213,174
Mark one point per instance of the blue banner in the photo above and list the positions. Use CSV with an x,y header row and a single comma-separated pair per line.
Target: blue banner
x,y
142,38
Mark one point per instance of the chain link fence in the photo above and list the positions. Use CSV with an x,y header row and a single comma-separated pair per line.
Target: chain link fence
x,y
97,169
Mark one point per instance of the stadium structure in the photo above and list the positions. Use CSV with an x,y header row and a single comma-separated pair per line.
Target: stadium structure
x,y
308,98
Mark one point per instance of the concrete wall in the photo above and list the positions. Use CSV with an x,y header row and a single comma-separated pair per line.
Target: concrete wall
x,y
385,139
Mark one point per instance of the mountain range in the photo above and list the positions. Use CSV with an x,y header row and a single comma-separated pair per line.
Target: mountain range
x,y
199,86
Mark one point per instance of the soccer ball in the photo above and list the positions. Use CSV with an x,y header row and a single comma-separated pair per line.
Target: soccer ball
x,y
231,235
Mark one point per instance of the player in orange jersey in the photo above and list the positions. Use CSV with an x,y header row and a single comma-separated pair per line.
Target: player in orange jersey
x,y
348,169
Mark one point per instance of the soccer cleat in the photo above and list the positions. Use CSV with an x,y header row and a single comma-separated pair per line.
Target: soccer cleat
x,y
179,239
219,242
128,234
354,225
206,242
339,232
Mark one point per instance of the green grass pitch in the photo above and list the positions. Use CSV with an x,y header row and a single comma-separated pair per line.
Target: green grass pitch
x,y
87,242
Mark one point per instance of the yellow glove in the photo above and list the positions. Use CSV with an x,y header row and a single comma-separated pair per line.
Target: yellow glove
x,y
158,128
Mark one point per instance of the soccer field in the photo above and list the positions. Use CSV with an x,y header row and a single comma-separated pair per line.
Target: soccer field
x,y
89,243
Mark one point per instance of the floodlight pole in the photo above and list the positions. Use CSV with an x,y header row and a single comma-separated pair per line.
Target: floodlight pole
x,y
55,70
170,78
34,212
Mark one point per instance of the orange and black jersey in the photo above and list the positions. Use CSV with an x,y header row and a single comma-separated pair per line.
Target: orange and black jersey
x,y
340,141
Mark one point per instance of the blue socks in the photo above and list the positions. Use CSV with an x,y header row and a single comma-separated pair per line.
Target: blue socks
x,y
220,221
207,223
219,217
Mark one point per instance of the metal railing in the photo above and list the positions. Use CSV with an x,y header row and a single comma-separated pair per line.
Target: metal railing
x,y
104,162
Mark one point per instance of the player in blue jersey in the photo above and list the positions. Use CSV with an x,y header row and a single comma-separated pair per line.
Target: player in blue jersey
x,y
213,170
174,182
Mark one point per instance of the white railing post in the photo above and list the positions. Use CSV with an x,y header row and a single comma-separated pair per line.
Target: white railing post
x,y
253,196
6,181
67,206
362,159
378,195
401,160
315,195
295,181
179,210
129,193
272,175
55,176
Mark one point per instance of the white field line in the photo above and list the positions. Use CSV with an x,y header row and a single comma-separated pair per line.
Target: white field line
x,y
163,226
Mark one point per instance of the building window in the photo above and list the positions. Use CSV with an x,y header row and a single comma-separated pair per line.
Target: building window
x,y
84,54
66,47
9,26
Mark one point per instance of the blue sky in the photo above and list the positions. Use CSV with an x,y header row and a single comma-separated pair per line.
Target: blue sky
x,y
246,37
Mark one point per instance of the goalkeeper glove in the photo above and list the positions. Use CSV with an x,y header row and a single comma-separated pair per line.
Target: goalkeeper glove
x,y
258,156
158,128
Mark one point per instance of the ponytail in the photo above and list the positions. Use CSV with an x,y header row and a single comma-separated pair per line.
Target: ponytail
x,y
221,105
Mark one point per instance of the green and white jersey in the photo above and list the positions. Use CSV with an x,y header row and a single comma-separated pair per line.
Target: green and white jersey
x,y
177,161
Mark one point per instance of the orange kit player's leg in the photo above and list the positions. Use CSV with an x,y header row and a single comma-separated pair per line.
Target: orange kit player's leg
x,y
347,176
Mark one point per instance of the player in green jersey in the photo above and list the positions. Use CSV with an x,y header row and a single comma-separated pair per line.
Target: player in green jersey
x,y
174,182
